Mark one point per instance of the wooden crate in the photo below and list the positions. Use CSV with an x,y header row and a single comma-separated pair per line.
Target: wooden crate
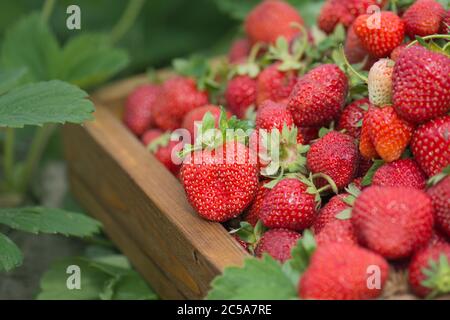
x,y
142,206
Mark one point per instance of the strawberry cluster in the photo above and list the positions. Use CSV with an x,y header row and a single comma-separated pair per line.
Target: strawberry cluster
x,y
362,140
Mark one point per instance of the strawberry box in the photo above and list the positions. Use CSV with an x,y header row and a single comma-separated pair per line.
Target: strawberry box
x,y
142,206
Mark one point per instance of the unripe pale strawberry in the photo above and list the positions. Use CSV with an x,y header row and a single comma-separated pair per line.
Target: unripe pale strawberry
x,y
380,82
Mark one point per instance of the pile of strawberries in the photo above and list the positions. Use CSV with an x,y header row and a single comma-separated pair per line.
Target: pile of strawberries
x,y
363,142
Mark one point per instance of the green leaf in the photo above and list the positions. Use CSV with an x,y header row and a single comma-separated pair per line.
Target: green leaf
x,y
258,279
133,287
10,254
367,180
10,79
30,44
302,252
88,60
47,220
44,102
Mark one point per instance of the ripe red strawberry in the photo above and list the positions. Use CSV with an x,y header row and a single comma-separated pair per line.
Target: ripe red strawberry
x,y
380,40
270,20
220,186
351,117
440,197
178,96
393,221
278,243
421,84
430,145
400,173
335,155
328,228
240,95
429,271
272,115
380,82
318,96
197,115
275,85
366,146
253,212
239,51
340,271
445,25
354,50
289,206
164,149
138,113
389,134
306,134
423,18
395,54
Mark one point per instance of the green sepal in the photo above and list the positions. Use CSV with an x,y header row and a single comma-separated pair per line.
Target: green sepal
x,y
437,276
162,141
344,214
434,180
367,180
302,252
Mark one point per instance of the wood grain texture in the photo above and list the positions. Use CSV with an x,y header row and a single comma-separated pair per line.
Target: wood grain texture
x,y
142,206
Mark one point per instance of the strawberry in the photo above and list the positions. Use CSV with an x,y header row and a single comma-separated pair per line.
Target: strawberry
x,y
354,50
400,173
366,146
352,116
318,96
178,96
196,115
277,243
421,84
275,85
445,25
430,145
306,134
240,94
241,242
340,271
395,54
380,82
328,228
335,155
364,166
272,115
239,51
219,186
151,135
380,40
270,20
440,197
429,271
393,221
389,134
423,18
164,149
253,212
138,113
289,206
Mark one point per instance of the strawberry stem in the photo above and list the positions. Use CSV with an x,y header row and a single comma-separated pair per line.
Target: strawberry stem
x,y
360,76
330,181
433,36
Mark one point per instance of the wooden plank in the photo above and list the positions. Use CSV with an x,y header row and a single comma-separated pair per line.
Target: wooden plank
x,y
148,205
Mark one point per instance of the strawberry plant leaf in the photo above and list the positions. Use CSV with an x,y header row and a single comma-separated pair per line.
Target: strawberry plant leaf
x,y
367,180
30,43
10,79
257,279
44,102
48,220
88,60
10,254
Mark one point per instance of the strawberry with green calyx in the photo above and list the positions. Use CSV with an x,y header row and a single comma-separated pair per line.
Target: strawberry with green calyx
x,y
289,56
439,192
249,234
192,118
429,271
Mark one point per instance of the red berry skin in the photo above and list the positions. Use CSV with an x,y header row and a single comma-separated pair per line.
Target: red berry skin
x,y
289,206
395,54
307,134
351,116
178,96
400,173
430,145
272,115
275,85
393,221
335,155
445,25
239,50
364,166
150,135
240,94
440,197
354,50
270,20
421,84
197,115
278,243
380,42
218,187
341,271
328,228
138,113
423,18
318,96
253,212
421,261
